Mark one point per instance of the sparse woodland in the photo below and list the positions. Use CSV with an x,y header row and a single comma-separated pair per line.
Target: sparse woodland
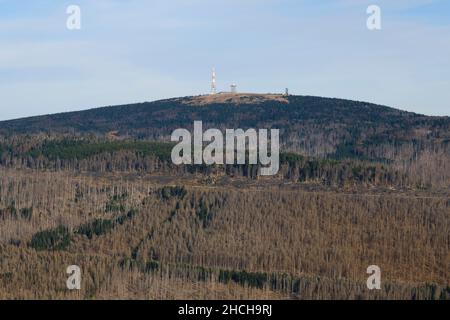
x,y
137,238
141,228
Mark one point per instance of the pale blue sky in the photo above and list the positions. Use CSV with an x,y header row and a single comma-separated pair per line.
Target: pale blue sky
x,y
138,50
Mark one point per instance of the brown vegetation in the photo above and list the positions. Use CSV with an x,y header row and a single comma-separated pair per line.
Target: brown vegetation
x,y
182,242
359,184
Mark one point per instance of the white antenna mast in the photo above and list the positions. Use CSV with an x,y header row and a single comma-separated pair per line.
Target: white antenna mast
x,y
213,83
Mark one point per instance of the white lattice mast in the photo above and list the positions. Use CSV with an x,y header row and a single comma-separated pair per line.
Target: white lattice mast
x,y
213,83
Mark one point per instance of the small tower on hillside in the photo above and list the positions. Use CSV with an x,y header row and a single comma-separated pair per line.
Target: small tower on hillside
x,y
233,88
213,82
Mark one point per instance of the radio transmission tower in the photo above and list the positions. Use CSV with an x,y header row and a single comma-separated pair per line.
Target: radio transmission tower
x,y
213,83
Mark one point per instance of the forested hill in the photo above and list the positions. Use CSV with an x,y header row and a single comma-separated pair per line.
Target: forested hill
x,y
309,125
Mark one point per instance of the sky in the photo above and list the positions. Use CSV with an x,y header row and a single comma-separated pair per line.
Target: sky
x,y
142,50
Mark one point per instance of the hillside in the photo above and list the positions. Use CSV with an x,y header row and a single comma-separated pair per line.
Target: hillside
x,y
359,184
294,115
